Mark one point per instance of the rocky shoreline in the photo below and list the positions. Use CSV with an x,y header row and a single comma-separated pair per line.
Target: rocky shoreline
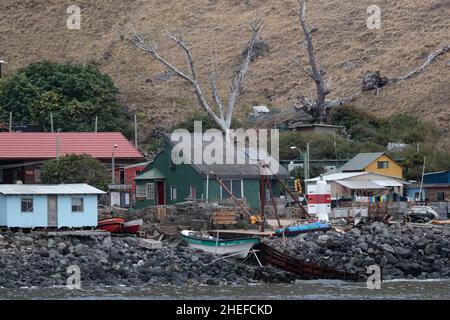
x,y
401,251
37,260
41,260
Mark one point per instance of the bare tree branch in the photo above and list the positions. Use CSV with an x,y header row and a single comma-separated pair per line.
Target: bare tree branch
x,y
431,57
223,122
317,73
238,80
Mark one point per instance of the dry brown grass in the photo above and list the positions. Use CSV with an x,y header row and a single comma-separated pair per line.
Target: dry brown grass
x,y
31,30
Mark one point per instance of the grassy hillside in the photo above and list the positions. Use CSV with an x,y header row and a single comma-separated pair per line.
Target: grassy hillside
x,y
32,30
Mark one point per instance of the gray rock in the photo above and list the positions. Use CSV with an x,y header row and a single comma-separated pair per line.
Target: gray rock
x,y
43,252
50,243
363,246
387,248
391,259
107,242
429,249
356,232
402,252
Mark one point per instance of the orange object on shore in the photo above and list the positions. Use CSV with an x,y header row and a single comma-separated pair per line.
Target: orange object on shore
x,y
440,222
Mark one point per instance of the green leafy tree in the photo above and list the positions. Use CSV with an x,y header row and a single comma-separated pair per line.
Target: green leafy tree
x,y
75,168
75,95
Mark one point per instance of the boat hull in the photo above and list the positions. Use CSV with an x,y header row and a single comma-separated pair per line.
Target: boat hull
x,y
113,225
296,230
132,226
239,248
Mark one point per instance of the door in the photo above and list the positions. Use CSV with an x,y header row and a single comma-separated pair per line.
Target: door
x,y
193,192
52,211
161,193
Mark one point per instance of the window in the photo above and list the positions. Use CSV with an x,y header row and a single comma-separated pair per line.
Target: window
x,y
173,193
235,186
77,204
37,175
150,191
440,196
122,176
383,164
27,205
140,191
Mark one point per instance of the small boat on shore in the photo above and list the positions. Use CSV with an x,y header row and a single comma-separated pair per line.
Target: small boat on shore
x,y
296,229
113,225
132,226
238,247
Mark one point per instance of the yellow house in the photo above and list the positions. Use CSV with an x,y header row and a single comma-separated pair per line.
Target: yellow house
x,y
377,162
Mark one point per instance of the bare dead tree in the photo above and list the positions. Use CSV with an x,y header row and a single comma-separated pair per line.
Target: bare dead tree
x,y
314,71
319,103
222,113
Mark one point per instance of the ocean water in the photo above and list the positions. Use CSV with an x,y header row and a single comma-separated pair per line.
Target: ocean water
x,y
301,290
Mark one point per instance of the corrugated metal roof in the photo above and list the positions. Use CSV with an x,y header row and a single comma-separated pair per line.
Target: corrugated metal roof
x,y
360,184
75,188
360,161
339,176
150,175
245,163
388,183
42,145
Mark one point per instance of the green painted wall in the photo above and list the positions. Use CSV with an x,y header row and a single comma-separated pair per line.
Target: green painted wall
x,y
183,176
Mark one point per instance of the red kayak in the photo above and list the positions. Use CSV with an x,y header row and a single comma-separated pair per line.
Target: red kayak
x,y
132,226
113,225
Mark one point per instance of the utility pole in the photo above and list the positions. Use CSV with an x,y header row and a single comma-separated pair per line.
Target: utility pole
x,y
96,124
421,180
2,62
57,144
113,176
306,167
10,122
135,132
51,120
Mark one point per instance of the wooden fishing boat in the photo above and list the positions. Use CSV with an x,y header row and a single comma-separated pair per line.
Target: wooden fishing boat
x,y
296,229
132,226
113,225
238,247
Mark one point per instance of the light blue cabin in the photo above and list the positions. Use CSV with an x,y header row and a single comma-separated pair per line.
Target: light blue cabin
x,y
62,205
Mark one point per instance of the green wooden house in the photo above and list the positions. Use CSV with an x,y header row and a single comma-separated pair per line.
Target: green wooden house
x,y
164,183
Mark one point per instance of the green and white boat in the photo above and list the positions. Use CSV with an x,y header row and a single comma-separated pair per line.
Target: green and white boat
x,y
238,247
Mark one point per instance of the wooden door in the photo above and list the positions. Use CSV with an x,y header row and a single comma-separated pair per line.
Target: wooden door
x,y
52,211
161,193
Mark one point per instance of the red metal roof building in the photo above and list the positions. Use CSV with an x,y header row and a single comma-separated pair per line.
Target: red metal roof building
x,y
22,153
43,145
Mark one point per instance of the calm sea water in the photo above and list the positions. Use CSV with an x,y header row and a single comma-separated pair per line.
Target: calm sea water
x,y
307,290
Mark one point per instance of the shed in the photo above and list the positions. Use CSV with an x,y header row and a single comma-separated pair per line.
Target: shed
x,y
62,205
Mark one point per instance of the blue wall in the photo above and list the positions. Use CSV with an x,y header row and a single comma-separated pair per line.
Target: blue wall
x,y
439,177
412,191
67,218
16,218
11,215
2,210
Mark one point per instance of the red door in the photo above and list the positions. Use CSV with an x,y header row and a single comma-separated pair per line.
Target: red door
x,y
161,193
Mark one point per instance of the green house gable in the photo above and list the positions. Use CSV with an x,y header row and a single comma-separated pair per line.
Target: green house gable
x,y
164,183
